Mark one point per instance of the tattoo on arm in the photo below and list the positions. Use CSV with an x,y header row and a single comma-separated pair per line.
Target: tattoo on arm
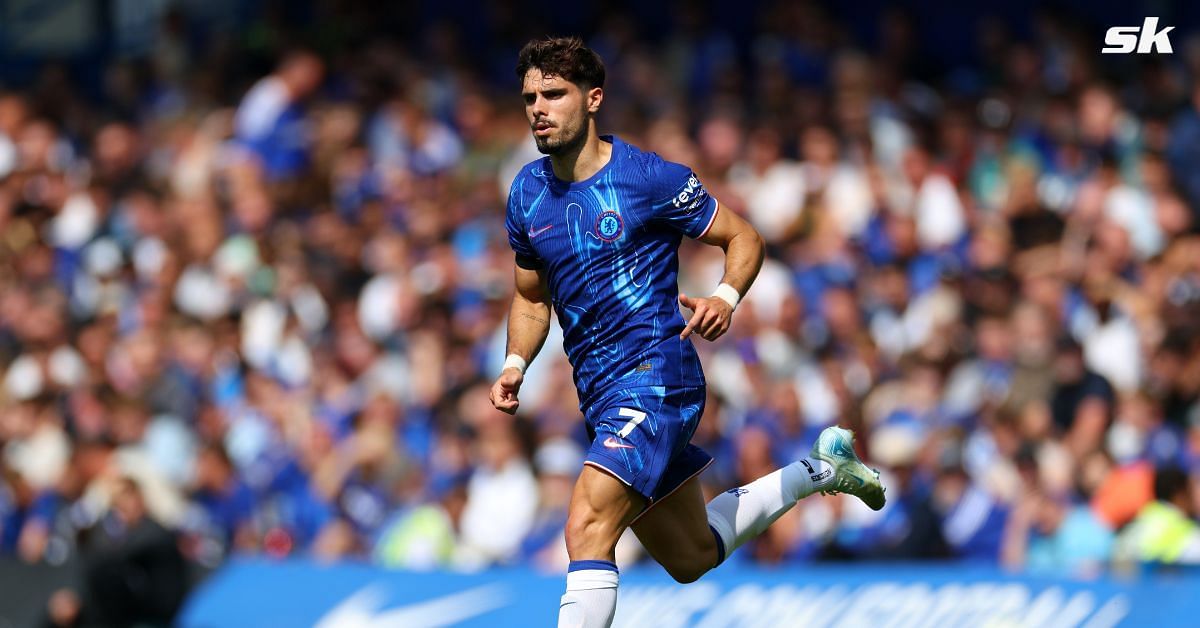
x,y
534,318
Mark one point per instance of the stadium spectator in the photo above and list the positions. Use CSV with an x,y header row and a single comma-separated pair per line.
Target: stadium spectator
x,y
1047,534
271,124
1163,530
425,536
134,572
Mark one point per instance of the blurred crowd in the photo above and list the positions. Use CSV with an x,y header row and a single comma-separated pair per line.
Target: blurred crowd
x,y
263,311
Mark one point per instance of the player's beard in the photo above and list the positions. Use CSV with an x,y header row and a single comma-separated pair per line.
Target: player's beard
x,y
568,140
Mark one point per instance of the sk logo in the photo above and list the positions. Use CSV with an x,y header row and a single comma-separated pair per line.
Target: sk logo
x,y
1146,38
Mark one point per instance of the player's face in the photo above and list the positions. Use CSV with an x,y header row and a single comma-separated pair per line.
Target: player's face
x,y
557,110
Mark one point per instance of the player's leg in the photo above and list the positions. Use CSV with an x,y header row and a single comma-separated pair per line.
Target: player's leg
x,y
601,509
636,433
743,513
689,537
676,534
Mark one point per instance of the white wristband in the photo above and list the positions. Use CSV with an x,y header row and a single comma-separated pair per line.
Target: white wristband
x,y
728,294
514,361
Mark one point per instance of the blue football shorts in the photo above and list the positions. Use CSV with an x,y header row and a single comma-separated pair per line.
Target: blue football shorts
x,y
642,437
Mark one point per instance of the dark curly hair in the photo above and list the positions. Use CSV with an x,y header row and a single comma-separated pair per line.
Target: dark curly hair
x,y
566,57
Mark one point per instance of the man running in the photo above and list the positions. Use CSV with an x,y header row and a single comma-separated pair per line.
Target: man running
x,y
596,226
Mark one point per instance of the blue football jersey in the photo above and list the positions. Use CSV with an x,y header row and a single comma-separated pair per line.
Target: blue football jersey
x,y
609,248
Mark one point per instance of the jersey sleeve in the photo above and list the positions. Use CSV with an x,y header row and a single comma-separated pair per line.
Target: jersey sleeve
x,y
682,203
518,239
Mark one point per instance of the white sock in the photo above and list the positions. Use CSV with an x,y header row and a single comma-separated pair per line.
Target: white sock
x,y
591,597
740,514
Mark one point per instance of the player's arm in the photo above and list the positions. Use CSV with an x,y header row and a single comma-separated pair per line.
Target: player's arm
x,y
529,317
744,252
528,325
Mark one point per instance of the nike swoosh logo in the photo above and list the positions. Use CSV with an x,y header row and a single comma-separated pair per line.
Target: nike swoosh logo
x,y
534,234
613,443
840,448
364,609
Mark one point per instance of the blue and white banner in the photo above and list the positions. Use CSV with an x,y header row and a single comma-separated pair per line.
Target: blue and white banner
x,y
253,593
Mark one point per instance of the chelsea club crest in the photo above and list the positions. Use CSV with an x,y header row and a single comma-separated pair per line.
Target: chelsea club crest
x,y
609,225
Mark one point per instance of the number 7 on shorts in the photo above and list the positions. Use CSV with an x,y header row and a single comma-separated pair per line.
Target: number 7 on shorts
x,y
635,417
